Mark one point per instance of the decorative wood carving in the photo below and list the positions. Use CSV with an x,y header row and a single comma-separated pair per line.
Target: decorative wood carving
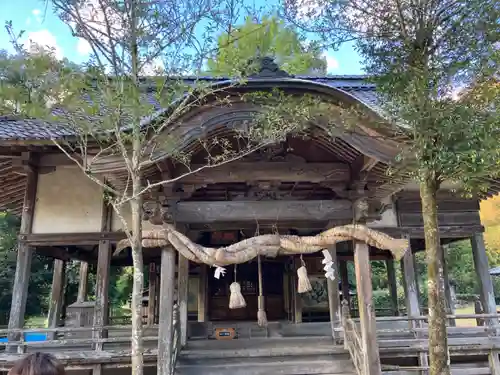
x,y
360,210
268,69
210,212
270,171
158,212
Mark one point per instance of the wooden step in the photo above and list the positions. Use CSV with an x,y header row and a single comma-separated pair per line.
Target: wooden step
x,y
280,356
454,371
248,361
261,348
280,366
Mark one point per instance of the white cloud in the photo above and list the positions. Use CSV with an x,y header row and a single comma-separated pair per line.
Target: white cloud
x,y
28,21
153,68
43,39
83,47
37,13
332,63
94,15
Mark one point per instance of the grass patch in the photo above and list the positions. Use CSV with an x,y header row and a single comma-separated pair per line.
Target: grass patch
x,y
36,322
467,310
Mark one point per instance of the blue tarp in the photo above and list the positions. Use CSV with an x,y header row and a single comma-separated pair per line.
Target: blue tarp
x,y
29,337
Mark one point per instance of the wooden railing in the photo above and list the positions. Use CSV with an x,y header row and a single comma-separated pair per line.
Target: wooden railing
x,y
74,342
74,338
413,338
352,340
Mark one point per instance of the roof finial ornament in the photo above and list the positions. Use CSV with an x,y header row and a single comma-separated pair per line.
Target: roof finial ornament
x,y
266,67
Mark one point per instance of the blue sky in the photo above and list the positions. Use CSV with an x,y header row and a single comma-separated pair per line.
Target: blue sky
x,y
44,27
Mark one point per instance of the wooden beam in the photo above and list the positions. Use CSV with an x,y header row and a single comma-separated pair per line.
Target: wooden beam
x,y
56,295
393,288
24,257
93,238
83,282
366,309
152,297
182,295
486,291
333,296
166,302
268,171
68,239
210,212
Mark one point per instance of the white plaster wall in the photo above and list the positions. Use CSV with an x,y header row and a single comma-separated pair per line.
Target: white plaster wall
x,y
116,223
67,202
388,218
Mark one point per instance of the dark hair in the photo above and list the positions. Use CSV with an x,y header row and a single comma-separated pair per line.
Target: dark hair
x,y
38,364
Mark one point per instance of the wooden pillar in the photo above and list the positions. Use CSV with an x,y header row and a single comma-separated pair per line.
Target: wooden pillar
x,y
56,296
417,281
202,293
182,290
393,288
450,308
297,299
83,282
24,257
486,292
157,287
333,296
366,309
101,308
344,280
410,285
152,295
166,302
286,294
411,296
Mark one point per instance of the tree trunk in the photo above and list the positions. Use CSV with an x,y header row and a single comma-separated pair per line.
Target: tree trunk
x,y
137,286
136,203
438,342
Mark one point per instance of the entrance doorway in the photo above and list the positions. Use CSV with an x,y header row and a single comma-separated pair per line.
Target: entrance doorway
x,y
247,277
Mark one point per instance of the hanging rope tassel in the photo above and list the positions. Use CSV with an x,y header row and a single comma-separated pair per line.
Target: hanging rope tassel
x,y
236,299
304,283
261,312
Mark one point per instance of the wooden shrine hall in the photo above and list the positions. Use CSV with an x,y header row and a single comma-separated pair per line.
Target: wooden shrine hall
x,y
302,186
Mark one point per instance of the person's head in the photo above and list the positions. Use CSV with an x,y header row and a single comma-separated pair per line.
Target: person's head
x,y
38,364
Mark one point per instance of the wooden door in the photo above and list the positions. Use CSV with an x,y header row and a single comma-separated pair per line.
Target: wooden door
x,y
247,276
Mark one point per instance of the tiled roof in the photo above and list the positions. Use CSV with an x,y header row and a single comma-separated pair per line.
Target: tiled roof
x,y
14,128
